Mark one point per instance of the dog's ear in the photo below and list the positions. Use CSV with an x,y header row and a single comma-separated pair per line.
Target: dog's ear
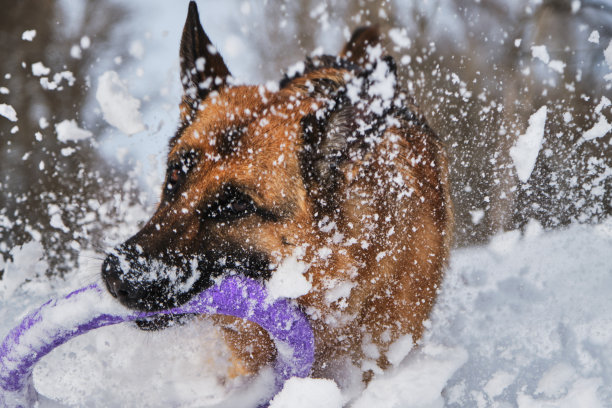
x,y
356,49
202,67
327,137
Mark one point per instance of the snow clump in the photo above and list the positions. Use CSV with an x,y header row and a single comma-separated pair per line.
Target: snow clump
x,y
69,131
28,35
602,126
307,393
288,281
8,112
608,58
39,69
418,383
594,37
525,151
119,108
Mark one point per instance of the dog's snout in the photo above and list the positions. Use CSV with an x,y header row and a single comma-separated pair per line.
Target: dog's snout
x,y
137,282
111,274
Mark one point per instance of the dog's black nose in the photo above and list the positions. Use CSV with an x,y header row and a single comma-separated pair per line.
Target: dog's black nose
x,y
111,274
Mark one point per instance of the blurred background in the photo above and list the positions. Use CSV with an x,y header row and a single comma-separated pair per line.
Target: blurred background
x,y
478,69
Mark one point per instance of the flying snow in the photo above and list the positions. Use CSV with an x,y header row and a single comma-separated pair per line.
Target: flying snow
x,y
28,35
525,151
608,58
540,52
598,130
39,69
602,126
400,38
69,131
119,107
288,280
8,112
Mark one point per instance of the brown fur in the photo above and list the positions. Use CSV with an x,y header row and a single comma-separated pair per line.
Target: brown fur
x,y
379,218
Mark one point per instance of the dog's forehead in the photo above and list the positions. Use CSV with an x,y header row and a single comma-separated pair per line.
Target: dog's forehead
x,y
250,118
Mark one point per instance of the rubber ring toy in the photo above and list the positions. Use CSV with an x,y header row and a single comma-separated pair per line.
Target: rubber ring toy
x,y
88,308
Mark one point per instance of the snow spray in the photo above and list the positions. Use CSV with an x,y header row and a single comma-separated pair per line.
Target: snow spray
x,y
88,308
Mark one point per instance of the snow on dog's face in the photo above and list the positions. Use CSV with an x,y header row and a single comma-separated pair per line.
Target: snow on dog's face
x,y
235,195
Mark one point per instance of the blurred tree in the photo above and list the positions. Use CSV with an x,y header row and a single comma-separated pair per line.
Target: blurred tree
x,y
48,188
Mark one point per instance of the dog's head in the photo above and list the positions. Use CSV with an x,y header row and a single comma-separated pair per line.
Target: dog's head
x,y
250,171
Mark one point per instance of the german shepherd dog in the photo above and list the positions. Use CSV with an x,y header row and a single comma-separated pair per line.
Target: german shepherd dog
x,y
334,167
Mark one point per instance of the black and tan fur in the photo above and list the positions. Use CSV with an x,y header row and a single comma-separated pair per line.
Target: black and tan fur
x,y
355,179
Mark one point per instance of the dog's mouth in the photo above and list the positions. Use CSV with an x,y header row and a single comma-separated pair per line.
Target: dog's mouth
x,y
162,321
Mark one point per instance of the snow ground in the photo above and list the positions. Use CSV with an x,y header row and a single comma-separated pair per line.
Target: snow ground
x,y
523,321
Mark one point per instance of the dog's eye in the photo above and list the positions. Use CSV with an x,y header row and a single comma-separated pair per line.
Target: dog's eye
x,y
239,206
175,177
236,206
232,204
178,170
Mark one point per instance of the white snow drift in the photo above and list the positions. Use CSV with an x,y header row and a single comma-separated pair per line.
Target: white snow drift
x,y
521,322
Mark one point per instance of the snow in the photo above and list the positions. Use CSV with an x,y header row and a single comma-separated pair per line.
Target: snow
x,y
8,112
76,52
603,103
417,384
55,83
529,309
288,280
556,380
519,322
557,66
602,126
399,36
598,130
39,69
498,383
69,131
582,394
119,107
307,393
296,69
85,42
477,216
26,265
525,151
28,35
137,49
400,349
608,54
67,151
540,52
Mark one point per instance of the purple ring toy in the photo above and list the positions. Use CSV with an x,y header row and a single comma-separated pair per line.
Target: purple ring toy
x,y
59,320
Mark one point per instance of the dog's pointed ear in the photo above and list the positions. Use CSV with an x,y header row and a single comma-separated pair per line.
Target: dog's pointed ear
x,y
202,67
327,136
356,49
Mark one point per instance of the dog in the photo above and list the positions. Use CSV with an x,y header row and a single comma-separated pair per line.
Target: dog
x,y
335,169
